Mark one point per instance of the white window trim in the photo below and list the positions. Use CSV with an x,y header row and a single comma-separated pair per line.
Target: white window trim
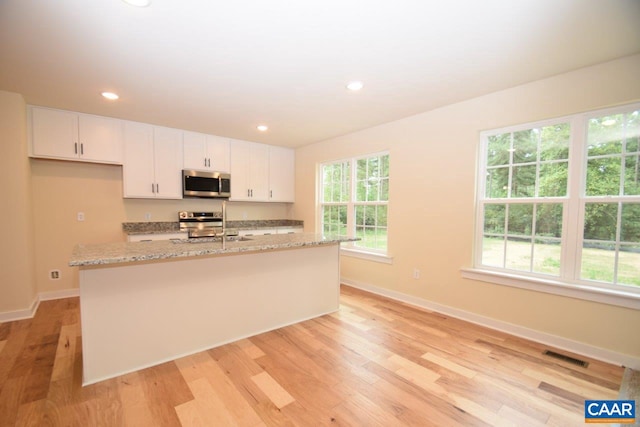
x,y
618,295
369,256
349,248
556,287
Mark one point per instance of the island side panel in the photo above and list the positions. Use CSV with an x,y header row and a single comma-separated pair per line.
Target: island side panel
x,y
139,315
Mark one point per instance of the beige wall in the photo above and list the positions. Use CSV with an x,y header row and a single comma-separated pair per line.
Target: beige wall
x,y
432,190
17,282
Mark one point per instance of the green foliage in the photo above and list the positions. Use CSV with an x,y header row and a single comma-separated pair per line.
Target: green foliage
x,y
538,155
372,179
534,163
336,180
371,188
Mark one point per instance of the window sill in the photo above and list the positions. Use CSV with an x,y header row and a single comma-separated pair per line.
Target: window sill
x,y
556,287
369,256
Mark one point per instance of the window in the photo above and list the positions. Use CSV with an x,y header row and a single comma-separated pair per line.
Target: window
x,y
561,200
354,197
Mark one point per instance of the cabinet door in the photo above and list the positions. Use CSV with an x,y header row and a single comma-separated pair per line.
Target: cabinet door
x,y
240,163
156,236
259,172
167,145
138,174
100,139
293,230
281,174
194,145
217,153
257,232
54,133
206,152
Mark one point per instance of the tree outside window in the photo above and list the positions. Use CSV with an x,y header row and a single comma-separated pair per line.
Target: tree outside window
x,y
529,210
354,200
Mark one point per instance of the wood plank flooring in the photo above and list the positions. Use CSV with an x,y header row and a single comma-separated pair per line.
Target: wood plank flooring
x,y
376,362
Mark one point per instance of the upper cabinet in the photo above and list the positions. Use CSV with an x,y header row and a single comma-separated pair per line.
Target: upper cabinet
x,y
249,171
152,162
67,135
153,157
281,174
206,152
261,173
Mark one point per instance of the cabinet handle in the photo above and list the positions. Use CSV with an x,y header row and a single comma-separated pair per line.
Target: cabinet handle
x,y
81,149
209,162
158,188
153,188
205,162
252,192
75,148
248,193
271,194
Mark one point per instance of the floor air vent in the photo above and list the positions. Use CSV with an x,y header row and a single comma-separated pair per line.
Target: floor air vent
x,y
566,358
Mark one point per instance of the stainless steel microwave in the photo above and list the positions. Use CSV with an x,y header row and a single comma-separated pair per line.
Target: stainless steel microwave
x,y
205,184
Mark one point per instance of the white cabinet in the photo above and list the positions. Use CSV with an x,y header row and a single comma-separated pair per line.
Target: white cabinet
x,y
292,230
148,237
266,231
74,136
281,174
206,152
249,171
258,232
152,162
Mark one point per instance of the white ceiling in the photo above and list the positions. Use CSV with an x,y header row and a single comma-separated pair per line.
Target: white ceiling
x,y
223,67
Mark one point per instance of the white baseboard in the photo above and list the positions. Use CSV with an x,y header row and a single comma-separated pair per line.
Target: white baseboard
x,y
28,313
510,328
65,293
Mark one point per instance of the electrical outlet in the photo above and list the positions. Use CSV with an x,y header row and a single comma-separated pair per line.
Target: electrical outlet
x,y
80,216
147,216
54,274
416,273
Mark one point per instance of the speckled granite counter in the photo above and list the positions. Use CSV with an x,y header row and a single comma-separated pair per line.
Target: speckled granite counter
x,y
125,252
167,227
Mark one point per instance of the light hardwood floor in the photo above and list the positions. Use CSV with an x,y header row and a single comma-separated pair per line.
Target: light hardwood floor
x,y
376,362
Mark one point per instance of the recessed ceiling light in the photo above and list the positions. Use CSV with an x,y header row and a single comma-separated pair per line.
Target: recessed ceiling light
x,y
110,96
138,3
355,86
262,128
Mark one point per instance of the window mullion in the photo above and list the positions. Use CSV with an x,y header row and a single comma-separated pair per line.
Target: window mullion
x,y
572,232
510,178
351,226
617,245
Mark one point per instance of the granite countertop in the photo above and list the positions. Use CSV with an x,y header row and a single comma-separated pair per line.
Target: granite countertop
x,y
167,227
123,252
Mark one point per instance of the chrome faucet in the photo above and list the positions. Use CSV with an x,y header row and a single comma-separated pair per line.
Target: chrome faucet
x,y
224,219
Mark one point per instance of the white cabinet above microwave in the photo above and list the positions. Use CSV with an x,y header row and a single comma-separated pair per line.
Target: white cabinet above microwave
x,y
66,135
249,171
206,152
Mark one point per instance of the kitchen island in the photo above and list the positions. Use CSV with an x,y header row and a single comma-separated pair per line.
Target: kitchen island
x,y
146,303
